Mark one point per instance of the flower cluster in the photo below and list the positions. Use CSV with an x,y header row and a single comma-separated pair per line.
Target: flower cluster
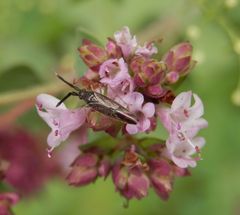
x,y
130,75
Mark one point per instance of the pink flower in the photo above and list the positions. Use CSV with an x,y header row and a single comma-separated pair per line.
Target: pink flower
x,y
61,120
180,150
6,202
114,73
25,164
125,40
183,122
144,112
147,50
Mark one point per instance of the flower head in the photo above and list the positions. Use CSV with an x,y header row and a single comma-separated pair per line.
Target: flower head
x,y
136,88
6,201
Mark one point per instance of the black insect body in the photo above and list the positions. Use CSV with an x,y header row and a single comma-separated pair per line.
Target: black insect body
x,y
100,103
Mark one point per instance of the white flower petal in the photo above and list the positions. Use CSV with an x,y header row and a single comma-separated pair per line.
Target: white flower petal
x,y
183,100
197,109
49,102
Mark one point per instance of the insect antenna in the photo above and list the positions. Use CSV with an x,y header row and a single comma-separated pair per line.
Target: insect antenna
x,y
66,82
66,97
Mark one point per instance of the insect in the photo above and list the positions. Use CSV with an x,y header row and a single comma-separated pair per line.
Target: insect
x,y
100,103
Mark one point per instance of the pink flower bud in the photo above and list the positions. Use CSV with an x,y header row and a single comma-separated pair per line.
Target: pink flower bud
x,y
129,176
179,59
113,50
136,63
84,170
147,72
161,177
155,91
104,167
130,182
88,166
6,201
92,55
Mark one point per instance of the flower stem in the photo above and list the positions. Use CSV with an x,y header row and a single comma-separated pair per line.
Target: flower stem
x,y
21,95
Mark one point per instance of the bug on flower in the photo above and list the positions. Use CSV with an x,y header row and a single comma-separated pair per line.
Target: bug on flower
x,y
100,103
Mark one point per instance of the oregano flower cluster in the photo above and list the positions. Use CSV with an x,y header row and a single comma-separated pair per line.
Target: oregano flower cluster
x,y
130,74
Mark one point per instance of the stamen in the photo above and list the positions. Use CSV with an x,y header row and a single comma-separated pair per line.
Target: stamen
x,y
198,152
191,144
49,152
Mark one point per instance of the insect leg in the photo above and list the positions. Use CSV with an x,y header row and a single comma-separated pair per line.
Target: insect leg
x,y
65,97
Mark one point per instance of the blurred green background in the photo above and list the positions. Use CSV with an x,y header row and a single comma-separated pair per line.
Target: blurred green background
x,y
38,37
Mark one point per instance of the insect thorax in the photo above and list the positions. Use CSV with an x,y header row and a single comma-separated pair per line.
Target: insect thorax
x,y
87,96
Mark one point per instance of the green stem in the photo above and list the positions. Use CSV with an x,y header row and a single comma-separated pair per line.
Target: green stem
x,y
21,95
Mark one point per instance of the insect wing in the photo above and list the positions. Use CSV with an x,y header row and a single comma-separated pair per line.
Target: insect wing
x,y
107,102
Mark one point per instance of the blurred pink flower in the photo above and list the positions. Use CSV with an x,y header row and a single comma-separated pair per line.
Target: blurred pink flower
x,y
183,122
125,40
61,120
28,166
147,50
143,112
6,201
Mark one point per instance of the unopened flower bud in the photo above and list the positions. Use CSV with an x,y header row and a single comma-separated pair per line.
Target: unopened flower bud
x,y
179,58
129,176
84,170
6,201
161,177
104,167
92,54
131,182
155,91
147,72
